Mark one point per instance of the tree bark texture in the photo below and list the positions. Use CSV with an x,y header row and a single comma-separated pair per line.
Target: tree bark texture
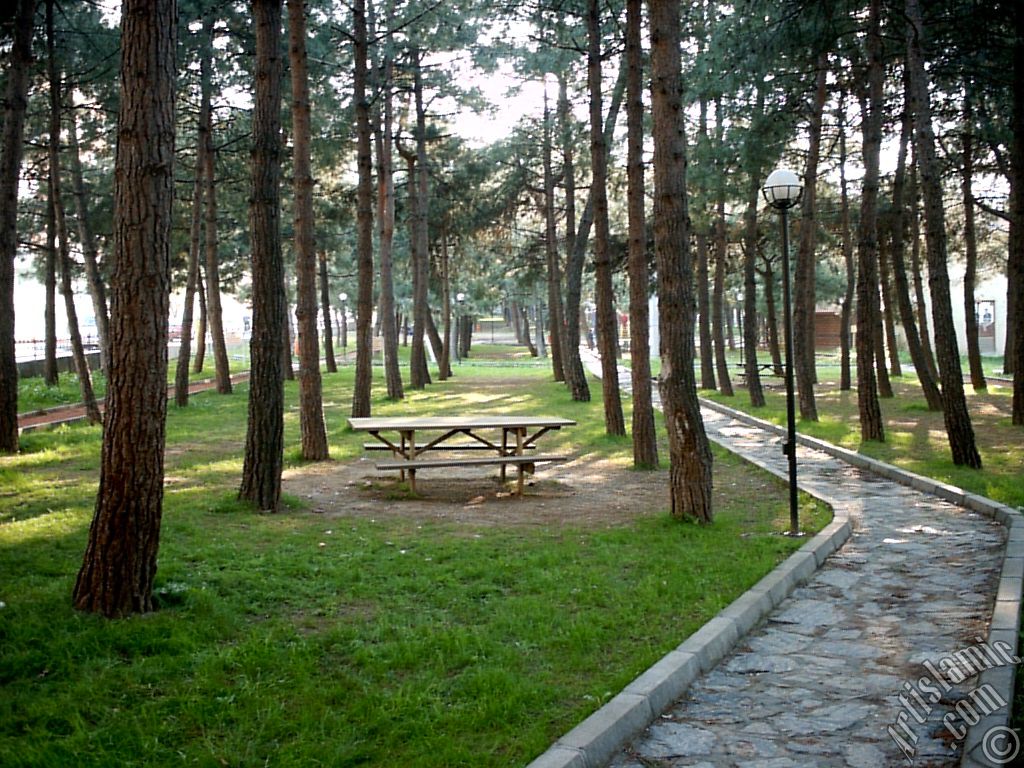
x,y
871,424
970,246
916,272
384,144
50,311
1015,262
554,269
419,373
187,316
200,360
444,362
214,312
325,312
18,71
90,259
607,325
955,414
361,389
576,238
846,311
902,286
181,377
60,218
264,439
313,431
707,348
885,284
750,366
120,561
804,293
690,455
645,438
771,316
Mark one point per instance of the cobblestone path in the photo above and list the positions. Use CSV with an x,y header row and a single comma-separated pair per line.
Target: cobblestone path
x,y
820,680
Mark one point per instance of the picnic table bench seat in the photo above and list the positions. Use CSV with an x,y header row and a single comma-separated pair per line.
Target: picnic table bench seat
x,y
413,464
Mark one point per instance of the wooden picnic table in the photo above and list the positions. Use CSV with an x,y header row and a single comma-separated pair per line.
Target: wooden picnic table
x,y
503,439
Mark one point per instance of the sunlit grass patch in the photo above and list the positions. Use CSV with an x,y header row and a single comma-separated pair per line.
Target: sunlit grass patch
x,y
303,639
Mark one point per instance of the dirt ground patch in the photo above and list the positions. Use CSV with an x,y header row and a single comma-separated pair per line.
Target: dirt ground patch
x,y
584,492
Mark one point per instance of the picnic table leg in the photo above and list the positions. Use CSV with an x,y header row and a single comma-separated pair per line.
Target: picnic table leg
x,y
520,434
409,453
504,451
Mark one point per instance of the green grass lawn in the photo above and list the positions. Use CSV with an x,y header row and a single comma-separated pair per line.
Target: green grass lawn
x,y
34,394
398,642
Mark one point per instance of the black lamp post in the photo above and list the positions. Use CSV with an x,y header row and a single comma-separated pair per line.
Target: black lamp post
x,y
782,190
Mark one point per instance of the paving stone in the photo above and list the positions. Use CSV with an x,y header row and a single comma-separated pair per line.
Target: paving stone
x,y
818,682
677,740
864,756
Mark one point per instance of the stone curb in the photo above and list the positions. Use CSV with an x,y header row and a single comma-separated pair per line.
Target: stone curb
x,y
1006,612
593,742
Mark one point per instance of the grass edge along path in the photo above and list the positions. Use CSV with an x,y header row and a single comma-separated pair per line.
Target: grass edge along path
x,y
309,639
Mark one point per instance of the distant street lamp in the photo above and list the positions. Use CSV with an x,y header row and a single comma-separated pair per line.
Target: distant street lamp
x,y
343,297
782,190
460,298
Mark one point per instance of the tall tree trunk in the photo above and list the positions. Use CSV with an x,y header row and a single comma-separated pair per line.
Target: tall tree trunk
x,y
18,71
214,313
1015,261
750,365
434,337
64,249
771,315
888,308
313,431
195,231
607,326
554,271
576,239
289,335
846,311
956,416
364,219
690,455
871,424
419,374
645,438
119,565
384,145
878,330
525,322
899,206
325,312
97,288
515,317
444,362
707,351
916,274
970,247
264,439
805,295
721,255
50,311
200,360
